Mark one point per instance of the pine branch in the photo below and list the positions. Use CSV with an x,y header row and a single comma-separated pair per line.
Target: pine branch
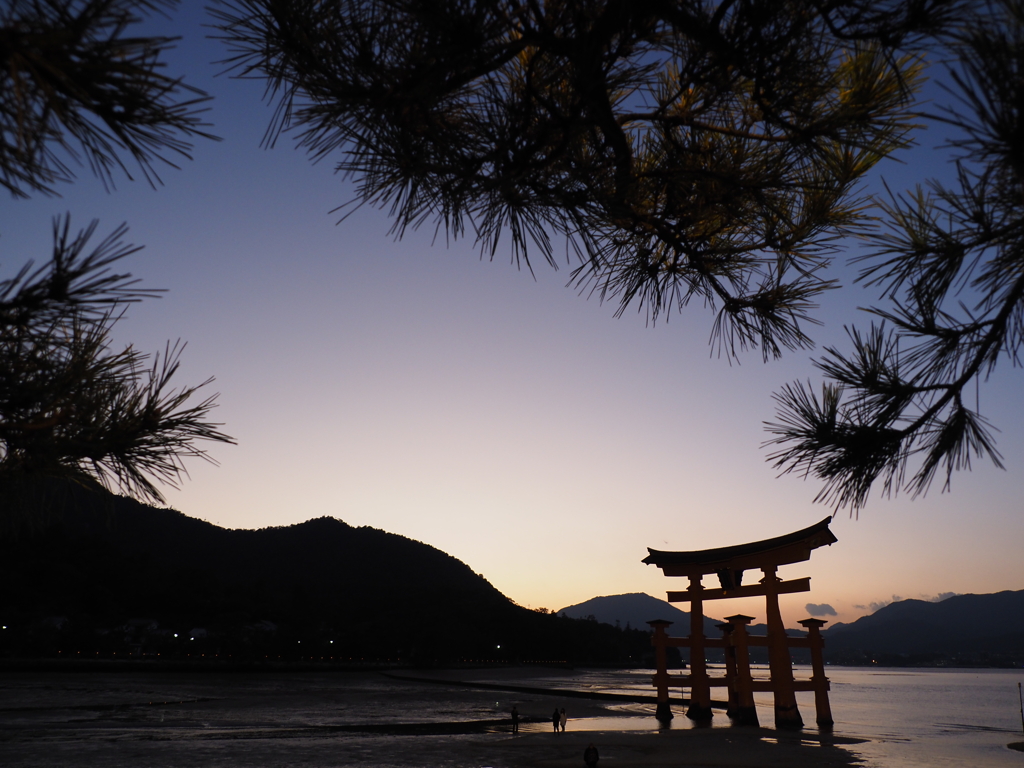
x,y
70,406
75,88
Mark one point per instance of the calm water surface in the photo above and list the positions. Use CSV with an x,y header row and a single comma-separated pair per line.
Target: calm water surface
x,y
929,717
908,718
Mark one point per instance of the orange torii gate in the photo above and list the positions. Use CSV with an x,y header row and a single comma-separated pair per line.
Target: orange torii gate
x,y
729,563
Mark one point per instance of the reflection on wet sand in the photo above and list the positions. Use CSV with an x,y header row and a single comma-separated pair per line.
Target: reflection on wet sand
x,y
366,719
351,719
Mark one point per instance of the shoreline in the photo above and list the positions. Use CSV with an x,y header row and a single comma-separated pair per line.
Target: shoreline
x,y
443,718
216,664
540,691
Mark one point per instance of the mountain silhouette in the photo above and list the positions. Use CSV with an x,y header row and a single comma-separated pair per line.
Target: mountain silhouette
x,y
972,628
100,572
635,609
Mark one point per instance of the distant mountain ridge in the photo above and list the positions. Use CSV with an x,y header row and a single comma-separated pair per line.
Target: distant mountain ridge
x,y
972,626
112,575
96,563
635,609
985,629
630,608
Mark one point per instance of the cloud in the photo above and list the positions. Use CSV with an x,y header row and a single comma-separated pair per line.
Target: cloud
x,y
824,609
882,603
877,606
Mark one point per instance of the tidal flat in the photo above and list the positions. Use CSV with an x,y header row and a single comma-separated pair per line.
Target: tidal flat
x,y
460,719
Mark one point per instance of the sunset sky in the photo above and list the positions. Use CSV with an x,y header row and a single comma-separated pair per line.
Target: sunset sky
x,y
502,418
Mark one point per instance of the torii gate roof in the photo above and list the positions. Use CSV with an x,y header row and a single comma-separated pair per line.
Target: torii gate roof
x,y
792,548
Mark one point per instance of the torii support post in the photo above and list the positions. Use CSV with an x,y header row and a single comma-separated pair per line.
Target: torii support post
x,y
660,641
730,667
700,687
822,710
746,712
787,715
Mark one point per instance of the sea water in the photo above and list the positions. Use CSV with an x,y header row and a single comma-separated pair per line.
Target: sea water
x,y
907,718
928,717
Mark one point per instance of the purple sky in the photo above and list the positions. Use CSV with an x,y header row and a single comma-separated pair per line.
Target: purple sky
x,y
412,387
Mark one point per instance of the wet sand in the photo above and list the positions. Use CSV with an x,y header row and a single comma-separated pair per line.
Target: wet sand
x,y
366,720
739,748
626,740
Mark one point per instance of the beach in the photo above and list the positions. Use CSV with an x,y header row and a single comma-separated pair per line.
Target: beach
x,y
461,719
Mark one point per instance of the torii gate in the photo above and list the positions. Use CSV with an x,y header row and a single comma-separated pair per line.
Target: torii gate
x,y
729,563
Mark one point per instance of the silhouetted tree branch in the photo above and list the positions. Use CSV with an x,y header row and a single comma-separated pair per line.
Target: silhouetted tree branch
x,y
683,150
952,264
76,88
70,406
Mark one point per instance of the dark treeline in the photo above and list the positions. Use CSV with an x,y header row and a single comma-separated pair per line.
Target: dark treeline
x,y
104,575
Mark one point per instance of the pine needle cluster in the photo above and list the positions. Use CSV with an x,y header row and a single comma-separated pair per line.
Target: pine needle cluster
x,y
682,151
77,88
902,407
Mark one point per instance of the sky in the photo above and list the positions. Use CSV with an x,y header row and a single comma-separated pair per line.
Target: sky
x,y
496,415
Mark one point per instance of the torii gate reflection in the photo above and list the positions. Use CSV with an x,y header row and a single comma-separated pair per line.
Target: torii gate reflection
x,y
729,563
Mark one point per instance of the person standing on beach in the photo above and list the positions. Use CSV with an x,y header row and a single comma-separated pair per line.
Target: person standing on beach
x,y
556,718
590,756
515,719
562,718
